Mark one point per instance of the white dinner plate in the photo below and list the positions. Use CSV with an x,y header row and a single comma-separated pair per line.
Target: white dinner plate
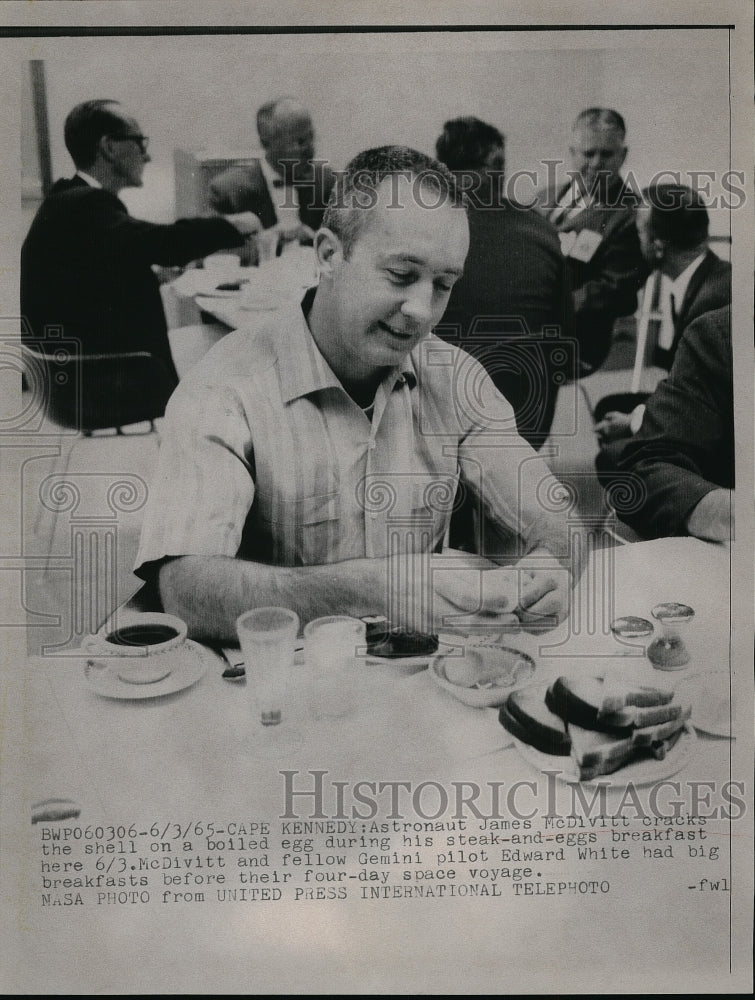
x,y
643,771
189,664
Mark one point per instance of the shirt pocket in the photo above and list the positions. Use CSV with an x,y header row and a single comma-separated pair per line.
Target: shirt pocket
x,y
432,502
304,531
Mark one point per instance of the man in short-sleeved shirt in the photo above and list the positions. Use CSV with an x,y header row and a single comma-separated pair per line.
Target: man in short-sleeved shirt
x,y
303,464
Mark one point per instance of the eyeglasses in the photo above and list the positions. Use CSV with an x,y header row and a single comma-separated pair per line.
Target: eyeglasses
x,y
141,140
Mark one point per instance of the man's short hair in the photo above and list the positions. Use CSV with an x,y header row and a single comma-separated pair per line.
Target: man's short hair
x,y
355,190
85,126
466,142
266,113
592,117
677,215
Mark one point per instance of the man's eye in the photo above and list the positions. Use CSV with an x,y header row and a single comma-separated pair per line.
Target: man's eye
x,y
400,276
444,286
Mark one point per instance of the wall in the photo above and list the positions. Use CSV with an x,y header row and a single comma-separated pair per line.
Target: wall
x,y
367,90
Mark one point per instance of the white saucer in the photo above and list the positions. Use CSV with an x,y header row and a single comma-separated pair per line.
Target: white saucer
x,y
187,666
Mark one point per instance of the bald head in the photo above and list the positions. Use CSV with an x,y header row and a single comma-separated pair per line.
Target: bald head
x,y
286,133
598,148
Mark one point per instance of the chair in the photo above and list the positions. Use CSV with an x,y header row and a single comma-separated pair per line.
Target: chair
x,y
89,392
84,394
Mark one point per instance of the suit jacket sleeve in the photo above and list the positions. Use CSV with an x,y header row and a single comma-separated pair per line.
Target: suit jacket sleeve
x,y
685,446
171,245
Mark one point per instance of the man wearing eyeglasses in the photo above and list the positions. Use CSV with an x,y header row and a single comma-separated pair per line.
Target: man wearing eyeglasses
x,y
86,264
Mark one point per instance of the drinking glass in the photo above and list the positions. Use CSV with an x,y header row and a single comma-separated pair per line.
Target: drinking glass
x,y
268,639
332,647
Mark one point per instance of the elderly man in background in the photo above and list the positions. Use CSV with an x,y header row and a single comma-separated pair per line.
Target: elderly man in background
x,y
86,264
594,216
286,189
313,463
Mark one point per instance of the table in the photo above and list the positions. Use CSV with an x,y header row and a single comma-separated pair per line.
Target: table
x,y
163,750
275,283
187,759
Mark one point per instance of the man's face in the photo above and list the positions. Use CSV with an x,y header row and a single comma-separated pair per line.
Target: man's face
x,y
394,287
291,137
129,155
597,150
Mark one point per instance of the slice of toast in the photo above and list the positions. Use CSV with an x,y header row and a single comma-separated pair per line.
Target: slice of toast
x,y
525,715
648,735
591,749
592,703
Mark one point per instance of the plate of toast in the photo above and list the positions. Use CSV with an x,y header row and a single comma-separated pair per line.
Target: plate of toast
x,y
590,729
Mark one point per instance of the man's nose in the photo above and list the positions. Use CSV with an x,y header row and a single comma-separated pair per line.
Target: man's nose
x,y
146,158
418,303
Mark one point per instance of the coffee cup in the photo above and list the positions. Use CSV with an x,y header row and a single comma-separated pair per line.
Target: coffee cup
x,y
139,646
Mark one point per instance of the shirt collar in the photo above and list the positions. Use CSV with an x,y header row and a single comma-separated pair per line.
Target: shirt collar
x,y
680,284
301,365
91,181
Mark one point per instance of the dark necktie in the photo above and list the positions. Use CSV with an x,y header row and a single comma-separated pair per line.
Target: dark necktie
x,y
674,314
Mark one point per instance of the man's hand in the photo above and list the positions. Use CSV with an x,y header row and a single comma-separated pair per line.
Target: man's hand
x,y
294,231
247,223
527,594
544,596
712,518
613,426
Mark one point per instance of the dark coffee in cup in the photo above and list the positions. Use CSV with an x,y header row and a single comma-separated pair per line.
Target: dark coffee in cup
x,y
148,634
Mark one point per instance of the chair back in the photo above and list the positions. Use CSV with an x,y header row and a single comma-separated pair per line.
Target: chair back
x,y
90,392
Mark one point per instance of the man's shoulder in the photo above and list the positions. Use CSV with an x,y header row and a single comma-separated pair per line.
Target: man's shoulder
x,y
240,356
711,332
74,204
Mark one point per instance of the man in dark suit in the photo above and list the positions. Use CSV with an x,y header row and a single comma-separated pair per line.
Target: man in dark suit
x,y
86,264
286,189
594,216
681,461
672,222
511,308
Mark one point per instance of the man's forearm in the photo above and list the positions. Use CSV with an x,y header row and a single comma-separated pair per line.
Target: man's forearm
x,y
210,592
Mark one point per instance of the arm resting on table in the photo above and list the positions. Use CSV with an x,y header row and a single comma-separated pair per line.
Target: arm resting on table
x,y
210,592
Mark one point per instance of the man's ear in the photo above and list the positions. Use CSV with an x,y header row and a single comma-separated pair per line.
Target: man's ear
x,y
624,155
106,148
329,251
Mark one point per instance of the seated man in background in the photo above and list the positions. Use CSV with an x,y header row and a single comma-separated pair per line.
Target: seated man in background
x,y
594,216
286,189
672,222
313,463
511,308
682,457
86,264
